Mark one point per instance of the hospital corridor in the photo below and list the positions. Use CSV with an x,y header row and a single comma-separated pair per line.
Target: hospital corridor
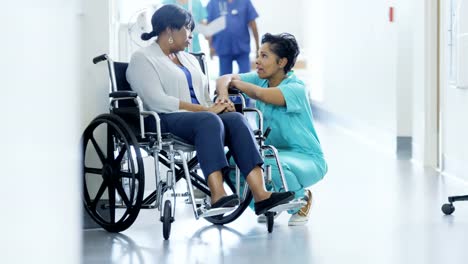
x,y
387,212
234,131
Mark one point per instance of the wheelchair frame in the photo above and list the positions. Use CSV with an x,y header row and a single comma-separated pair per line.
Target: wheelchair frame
x,y
123,172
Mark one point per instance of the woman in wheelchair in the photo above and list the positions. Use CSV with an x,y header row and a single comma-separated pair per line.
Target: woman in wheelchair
x,y
171,83
282,98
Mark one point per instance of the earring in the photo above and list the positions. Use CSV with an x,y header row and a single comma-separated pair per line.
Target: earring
x,y
170,40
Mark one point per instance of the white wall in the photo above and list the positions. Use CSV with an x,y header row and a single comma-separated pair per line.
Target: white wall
x,y
454,101
352,51
94,78
94,81
425,95
50,91
404,21
381,76
41,208
276,16
418,102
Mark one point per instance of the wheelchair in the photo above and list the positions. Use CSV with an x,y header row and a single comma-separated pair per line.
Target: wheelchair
x,y
113,147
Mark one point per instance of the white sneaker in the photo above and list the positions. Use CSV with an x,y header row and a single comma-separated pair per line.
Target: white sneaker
x,y
262,218
302,216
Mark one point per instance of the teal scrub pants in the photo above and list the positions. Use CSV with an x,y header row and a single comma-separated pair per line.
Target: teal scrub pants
x,y
300,171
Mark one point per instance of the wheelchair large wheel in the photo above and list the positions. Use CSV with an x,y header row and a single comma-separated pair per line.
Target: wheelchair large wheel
x,y
113,174
227,218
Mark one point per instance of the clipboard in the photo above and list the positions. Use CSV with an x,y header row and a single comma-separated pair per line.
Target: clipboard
x,y
212,28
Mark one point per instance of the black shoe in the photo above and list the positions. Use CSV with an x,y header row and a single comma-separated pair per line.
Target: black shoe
x,y
275,199
226,201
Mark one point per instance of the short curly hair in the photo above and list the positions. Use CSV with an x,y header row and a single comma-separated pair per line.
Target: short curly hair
x,y
284,45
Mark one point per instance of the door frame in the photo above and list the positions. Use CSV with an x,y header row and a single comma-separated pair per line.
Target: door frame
x,y
432,139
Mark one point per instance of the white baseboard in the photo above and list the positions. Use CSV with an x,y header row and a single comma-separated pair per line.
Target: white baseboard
x,y
455,167
383,139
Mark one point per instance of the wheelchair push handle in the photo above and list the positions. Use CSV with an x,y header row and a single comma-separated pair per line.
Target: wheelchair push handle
x,y
267,132
100,58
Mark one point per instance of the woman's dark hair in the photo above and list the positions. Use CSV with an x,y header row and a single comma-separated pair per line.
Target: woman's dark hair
x,y
169,16
284,45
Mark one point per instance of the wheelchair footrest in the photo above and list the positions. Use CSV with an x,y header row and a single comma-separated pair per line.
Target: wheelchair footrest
x,y
294,204
143,206
216,211
197,201
148,206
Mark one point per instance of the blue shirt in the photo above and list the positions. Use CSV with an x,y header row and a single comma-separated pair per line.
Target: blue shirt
x,y
189,81
292,127
198,13
235,38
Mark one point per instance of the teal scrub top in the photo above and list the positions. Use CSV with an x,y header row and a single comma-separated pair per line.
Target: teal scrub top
x,y
292,127
199,13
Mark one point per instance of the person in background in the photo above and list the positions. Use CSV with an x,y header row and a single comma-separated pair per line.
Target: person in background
x,y
199,14
233,43
170,82
282,98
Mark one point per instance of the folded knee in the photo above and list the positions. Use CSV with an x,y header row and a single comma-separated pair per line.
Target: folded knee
x,y
210,121
235,118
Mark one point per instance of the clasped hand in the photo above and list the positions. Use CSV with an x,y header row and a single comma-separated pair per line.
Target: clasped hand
x,y
222,104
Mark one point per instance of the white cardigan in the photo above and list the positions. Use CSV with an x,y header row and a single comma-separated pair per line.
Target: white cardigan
x,y
161,84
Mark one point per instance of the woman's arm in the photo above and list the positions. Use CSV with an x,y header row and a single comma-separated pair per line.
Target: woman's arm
x,y
192,107
216,108
271,95
146,82
222,85
253,26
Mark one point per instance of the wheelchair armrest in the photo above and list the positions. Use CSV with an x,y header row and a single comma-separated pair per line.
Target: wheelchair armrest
x,y
257,132
259,116
137,103
158,125
122,94
232,90
250,109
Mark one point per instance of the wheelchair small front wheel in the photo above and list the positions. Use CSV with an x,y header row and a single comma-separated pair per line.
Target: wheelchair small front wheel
x,y
167,219
270,221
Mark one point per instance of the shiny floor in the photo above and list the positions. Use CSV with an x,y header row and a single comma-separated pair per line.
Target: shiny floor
x,y
370,208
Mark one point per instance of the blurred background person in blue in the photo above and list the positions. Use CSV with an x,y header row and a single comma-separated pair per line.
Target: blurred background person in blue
x,y
233,43
199,14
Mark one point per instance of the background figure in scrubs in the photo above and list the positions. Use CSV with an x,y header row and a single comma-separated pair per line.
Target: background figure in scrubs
x,y
283,100
233,43
199,15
